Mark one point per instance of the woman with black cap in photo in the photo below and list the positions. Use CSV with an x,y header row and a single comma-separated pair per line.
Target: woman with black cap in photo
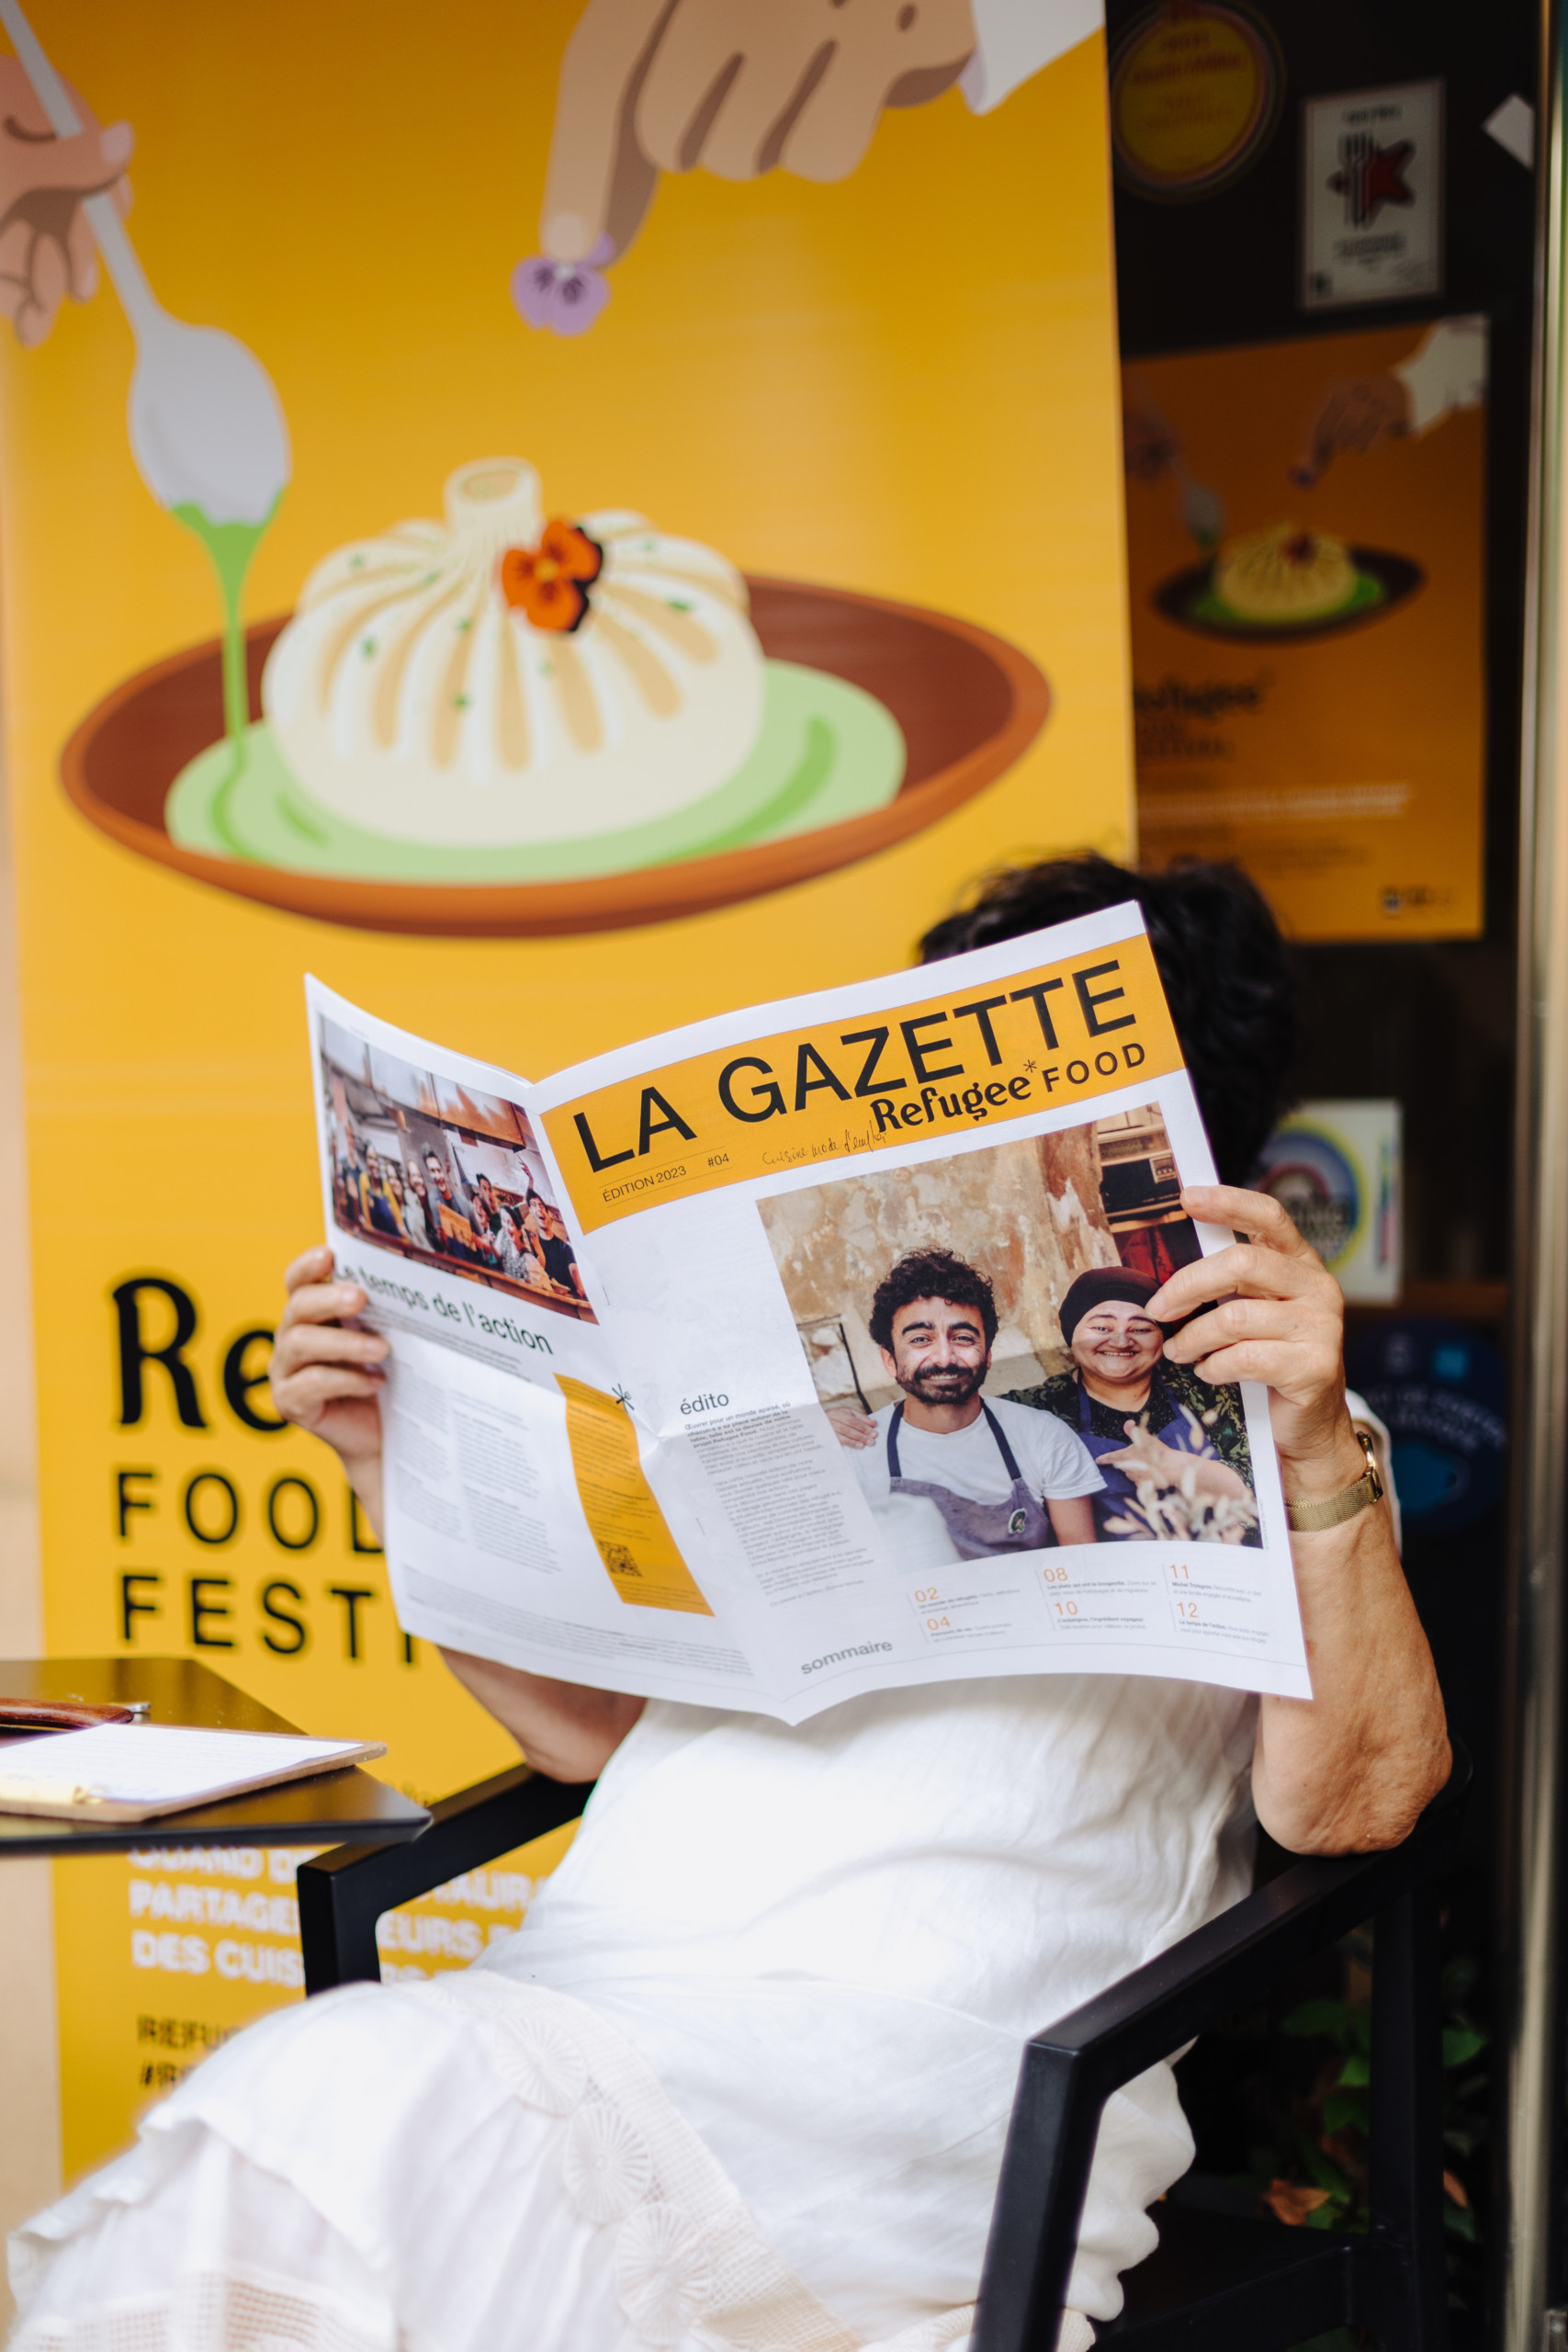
x,y
1139,1415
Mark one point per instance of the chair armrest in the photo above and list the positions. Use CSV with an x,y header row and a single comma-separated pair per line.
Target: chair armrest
x,y
344,1892
1070,2070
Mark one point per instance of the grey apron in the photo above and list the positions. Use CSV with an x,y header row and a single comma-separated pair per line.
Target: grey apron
x,y
980,1530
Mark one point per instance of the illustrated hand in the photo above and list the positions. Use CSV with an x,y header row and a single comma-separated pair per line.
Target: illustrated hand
x,y
1353,417
326,1379
854,1429
1282,1323
1146,1456
740,86
46,246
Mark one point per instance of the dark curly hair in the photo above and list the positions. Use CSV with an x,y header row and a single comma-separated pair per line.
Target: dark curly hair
x,y
930,1274
1227,972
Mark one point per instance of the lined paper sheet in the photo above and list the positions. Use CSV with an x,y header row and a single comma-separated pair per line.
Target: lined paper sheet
x,y
130,1771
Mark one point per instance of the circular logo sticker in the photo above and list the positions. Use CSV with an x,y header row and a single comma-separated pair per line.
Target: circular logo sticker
x,y
1309,1175
1195,93
1442,1391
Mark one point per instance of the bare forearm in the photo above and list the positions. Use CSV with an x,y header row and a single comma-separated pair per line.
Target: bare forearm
x,y
564,1728
363,1474
328,1376
1350,1769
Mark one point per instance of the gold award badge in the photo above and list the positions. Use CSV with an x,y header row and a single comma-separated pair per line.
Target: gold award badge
x,y
1195,94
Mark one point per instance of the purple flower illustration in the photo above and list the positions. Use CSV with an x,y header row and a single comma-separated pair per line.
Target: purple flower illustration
x,y
566,297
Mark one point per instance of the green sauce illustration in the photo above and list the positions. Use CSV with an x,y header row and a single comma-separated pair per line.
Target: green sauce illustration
x,y
231,547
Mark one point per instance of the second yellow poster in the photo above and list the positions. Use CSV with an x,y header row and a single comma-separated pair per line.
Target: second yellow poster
x,y
1306,538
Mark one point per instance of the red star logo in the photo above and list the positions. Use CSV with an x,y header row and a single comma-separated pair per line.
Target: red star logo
x,y
1374,178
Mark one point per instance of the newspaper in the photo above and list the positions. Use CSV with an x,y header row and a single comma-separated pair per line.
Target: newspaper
x,y
801,1352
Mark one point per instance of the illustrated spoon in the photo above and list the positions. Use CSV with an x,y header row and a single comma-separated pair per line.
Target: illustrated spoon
x,y
1201,509
207,429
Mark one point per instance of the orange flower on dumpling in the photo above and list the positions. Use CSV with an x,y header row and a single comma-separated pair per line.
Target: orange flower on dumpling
x,y
549,583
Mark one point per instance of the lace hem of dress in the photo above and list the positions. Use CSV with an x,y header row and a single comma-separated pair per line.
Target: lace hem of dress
x,y
681,2251
207,2310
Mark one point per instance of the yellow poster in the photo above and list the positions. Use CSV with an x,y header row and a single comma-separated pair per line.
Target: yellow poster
x,y
559,520
1306,556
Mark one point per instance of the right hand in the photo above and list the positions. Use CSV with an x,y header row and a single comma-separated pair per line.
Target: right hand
x,y
1353,417
740,86
326,1379
46,246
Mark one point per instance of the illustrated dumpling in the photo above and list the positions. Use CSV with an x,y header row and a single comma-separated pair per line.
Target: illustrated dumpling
x,y
1285,574
504,678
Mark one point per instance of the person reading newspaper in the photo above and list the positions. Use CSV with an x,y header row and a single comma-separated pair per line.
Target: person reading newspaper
x,y
744,2074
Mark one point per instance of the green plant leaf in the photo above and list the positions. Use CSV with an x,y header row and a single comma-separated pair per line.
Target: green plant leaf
x,y
1330,2017
1460,2044
1342,2108
1325,2174
1356,2069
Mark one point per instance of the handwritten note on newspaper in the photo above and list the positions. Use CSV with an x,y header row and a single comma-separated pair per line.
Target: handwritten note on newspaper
x,y
805,1352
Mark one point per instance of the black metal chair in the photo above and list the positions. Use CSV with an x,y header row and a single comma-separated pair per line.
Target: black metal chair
x,y
1216,2283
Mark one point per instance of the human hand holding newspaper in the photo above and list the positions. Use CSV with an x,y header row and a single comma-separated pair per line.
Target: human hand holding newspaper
x,y
328,1379
621,1303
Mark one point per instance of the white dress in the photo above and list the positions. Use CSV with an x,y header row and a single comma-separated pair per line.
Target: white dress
x,y
742,2077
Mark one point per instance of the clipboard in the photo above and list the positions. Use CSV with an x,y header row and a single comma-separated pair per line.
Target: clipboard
x,y
135,1771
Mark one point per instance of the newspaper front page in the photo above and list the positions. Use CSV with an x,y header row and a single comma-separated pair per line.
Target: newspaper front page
x,y
803,1352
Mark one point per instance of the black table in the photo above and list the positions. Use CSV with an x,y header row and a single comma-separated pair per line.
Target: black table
x,y
328,1809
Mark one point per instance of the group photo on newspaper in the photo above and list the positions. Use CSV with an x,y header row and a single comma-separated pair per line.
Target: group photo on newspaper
x,y
815,1349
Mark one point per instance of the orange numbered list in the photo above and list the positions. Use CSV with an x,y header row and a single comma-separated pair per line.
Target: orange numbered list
x,y
640,1554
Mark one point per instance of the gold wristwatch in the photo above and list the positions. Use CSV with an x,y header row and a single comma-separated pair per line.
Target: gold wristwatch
x,y
1306,1519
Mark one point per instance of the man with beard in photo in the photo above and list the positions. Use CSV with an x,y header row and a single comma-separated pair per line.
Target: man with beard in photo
x,y
1004,1479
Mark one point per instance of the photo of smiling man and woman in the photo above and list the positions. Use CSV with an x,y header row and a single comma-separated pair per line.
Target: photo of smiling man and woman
x,y
979,1332
435,1171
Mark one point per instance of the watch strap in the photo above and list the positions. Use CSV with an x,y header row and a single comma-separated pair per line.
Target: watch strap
x,y
1308,1518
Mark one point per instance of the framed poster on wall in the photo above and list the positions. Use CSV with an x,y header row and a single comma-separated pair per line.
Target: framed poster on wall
x,y
1307,567
1373,197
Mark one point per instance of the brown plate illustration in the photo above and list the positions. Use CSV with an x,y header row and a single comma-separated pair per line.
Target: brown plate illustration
x,y
1180,599
968,705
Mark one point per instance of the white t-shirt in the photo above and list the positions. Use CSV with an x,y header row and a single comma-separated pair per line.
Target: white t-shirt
x,y
1053,1461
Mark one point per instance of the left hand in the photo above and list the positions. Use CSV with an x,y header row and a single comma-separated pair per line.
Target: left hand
x,y
1281,1320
